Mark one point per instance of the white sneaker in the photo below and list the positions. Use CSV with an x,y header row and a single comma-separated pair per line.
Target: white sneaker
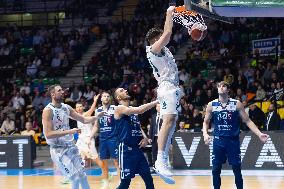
x,y
163,171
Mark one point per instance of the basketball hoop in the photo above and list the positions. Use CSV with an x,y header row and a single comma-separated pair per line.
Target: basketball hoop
x,y
189,19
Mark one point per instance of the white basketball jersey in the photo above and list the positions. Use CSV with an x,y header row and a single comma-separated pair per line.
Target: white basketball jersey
x,y
86,129
60,121
164,66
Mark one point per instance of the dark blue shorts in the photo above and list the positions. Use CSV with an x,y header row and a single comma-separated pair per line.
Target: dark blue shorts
x,y
108,149
226,148
131,161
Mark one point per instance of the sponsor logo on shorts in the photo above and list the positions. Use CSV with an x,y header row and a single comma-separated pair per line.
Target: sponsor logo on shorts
x,y
164,105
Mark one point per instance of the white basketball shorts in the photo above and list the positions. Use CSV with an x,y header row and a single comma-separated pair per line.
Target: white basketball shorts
x,y
169,96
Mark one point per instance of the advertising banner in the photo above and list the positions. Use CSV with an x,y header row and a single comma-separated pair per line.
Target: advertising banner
x,y
249,3
190,152
266,47
15,152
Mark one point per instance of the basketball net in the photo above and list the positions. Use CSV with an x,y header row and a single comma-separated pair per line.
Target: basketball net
x,y
189,19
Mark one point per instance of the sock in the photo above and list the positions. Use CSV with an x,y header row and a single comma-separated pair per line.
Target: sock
x,y
160,156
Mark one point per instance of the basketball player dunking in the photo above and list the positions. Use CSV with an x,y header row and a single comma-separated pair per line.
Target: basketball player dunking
x,y
166,73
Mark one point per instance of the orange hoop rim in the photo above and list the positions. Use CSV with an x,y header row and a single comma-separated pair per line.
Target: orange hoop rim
x,y
182,10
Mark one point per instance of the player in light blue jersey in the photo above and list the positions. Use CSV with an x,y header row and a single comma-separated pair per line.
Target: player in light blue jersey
x,y
226,114
59,137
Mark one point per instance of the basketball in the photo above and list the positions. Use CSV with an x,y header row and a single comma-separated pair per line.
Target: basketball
x,y
197,35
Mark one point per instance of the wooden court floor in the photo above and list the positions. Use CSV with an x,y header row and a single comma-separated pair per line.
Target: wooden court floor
x,y
182,182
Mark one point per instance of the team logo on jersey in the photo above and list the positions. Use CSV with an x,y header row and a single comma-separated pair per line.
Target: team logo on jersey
x,y
164,105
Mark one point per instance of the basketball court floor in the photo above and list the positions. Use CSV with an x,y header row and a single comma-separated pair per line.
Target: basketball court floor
x,y
185,179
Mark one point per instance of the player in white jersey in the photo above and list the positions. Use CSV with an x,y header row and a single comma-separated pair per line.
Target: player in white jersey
x,y
168,93
59,136
87,151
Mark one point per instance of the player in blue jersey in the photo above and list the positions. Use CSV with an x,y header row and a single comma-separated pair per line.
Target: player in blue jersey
x,y
107,136
226,114
131,138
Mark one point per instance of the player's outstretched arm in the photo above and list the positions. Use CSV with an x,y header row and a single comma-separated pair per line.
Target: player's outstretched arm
x,y
206,123
93,107
93,133
245,118
124,110
94,129
48,130
166,36
78,117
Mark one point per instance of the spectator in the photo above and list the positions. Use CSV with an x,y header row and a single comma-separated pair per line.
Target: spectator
x,y
26,86
31,70
196,120
18,101
89,93
37,100
182,127
56,62
28,131
257,116
260,93
76,94
240,94
8,126
272,119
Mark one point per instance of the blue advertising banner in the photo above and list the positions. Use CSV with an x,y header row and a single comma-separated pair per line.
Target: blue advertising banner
x,y
266,47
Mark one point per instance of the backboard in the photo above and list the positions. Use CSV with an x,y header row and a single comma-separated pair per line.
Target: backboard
x,y
204,8
223,10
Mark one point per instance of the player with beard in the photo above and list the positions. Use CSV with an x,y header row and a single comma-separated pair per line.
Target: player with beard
x,y
131,139
226,114
107,136
59,137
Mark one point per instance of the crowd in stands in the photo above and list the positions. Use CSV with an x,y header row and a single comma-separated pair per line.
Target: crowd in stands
x,y
224,54
29,56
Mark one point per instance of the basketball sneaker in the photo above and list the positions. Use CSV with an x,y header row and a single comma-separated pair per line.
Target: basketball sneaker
x,y
65,180
161,168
